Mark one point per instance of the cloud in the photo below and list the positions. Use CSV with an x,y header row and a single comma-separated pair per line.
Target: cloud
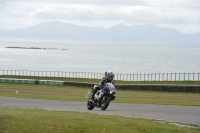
x,y
85,2
134,14
173,14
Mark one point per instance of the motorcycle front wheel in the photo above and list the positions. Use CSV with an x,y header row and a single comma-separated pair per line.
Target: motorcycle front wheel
x,y
90,105
105,103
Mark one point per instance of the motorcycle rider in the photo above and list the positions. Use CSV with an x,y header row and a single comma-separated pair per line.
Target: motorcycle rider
x,y
109,78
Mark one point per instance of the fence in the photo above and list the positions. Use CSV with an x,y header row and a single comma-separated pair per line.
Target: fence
x,y
122,77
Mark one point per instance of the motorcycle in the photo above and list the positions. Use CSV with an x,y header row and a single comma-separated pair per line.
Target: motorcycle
x,y
102,97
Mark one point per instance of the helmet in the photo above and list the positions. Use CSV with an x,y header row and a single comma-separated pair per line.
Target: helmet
x,y
110,75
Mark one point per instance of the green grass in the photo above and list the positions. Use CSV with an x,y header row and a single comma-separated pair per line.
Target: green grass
x,y
71,93
42,121
97,80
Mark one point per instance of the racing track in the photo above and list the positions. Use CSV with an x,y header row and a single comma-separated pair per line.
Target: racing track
x,y
170,113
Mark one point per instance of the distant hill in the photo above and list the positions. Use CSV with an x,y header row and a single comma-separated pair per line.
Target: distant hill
x,y
135,33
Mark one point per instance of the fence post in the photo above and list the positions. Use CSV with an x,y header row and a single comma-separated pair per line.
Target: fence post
x,y
193,76
175,76
188,76
198,76
133,77
163,77
184,76
148,77
167,76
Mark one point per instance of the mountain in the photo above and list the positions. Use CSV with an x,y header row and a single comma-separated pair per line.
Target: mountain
x,y
135,33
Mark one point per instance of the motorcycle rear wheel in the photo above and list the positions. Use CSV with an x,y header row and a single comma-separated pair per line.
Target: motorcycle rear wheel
x,y
90,105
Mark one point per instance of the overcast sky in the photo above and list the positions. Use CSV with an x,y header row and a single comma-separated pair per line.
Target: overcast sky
x,y
182,15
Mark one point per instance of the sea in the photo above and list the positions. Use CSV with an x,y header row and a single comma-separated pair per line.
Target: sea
x,y
97,56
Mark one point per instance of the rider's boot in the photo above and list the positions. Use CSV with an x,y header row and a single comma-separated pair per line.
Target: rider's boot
x,y
94,90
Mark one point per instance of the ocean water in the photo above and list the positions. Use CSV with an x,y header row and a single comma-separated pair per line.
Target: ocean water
x,y
99,57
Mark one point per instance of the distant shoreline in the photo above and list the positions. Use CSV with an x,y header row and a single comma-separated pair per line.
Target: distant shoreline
x,y
35,48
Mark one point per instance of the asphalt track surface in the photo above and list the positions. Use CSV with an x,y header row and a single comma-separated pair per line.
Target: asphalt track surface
x,y
169,113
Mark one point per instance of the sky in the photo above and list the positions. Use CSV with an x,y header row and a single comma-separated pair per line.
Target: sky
x,y
182,15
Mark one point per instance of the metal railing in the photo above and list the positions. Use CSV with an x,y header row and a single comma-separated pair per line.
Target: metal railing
x,y
122,77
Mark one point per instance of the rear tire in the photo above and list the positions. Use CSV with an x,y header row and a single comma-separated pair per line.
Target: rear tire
x,y
90,105
106,103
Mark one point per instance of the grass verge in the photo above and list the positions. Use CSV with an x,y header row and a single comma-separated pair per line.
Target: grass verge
x,y
97,80
71,93
43,121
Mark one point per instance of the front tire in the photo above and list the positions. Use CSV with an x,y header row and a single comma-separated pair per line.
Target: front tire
x,y
90,105
106,103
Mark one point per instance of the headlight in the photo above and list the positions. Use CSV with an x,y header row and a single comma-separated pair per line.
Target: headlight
x,y
110,92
